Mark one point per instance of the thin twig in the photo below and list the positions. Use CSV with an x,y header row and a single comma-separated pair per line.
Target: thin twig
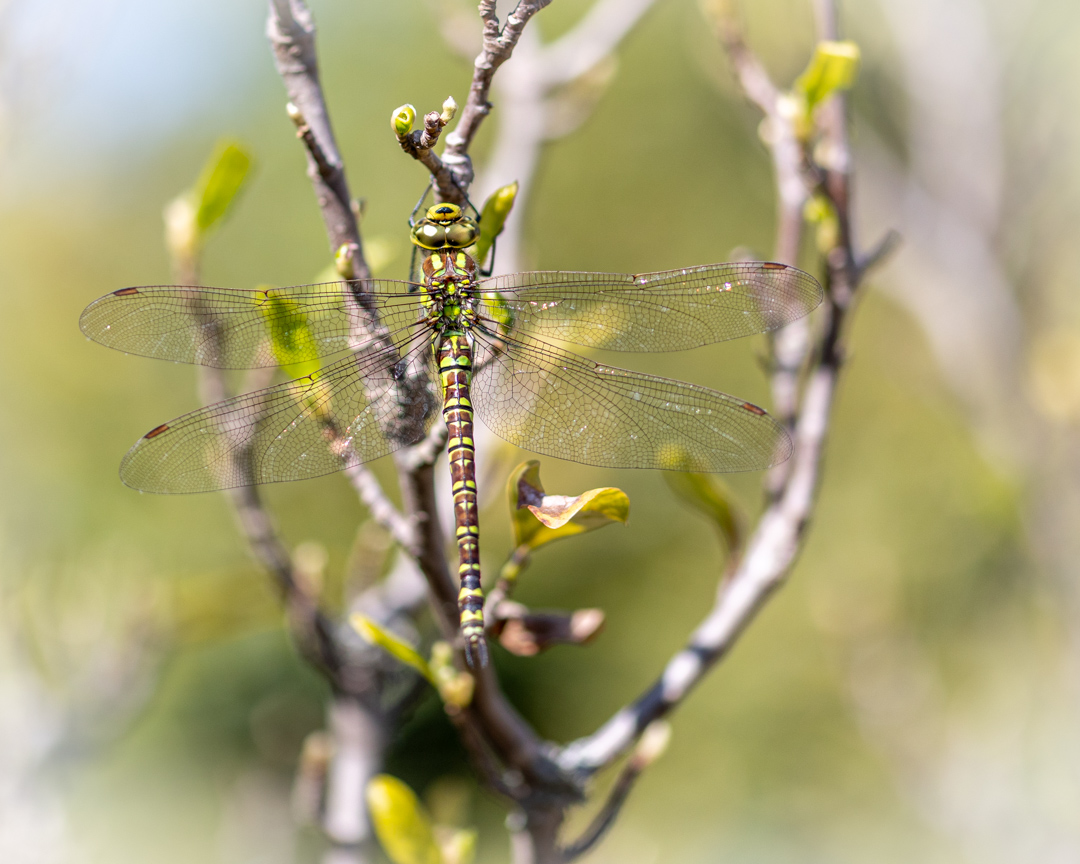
x,y
608,813
379,505
332,174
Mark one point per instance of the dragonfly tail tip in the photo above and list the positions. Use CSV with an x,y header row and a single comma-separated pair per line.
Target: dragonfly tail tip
x,y
476,652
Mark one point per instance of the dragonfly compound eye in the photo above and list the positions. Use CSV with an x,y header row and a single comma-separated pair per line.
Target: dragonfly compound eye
x,y
462,234
428,236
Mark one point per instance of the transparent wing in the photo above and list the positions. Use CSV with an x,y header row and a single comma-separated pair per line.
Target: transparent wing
x,y
233,329
544,399
667,311
356,410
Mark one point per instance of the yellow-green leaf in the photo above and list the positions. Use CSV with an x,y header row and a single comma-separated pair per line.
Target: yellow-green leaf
x,y
392,644
401,824
291,337
706,493
833,67
493,217
539,518
221,180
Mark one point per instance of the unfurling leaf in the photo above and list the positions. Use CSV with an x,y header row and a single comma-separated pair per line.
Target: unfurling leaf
x,y
219,184
190,215
392,644
833,67
493,218
706,493
539,518
402,826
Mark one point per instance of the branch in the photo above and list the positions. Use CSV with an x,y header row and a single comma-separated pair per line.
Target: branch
x,y
534,95
312,629
776,541
790,346
291,32
765,565
498,46
604,26
379,505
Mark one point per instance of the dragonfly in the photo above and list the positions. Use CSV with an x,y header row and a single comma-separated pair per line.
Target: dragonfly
x,y
455,342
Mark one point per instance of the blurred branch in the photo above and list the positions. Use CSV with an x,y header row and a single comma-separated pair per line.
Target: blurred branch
x,y
789,346
379,505
291,32
775,543
534,93
312,629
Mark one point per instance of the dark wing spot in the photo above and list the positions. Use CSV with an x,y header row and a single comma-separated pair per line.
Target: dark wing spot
x,y
157,430
753,409
772,265
125,292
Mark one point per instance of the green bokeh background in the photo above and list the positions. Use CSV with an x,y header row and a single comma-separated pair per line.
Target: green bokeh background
x,y
922,644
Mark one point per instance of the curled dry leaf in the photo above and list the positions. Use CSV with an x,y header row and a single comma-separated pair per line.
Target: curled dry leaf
x,y
539,518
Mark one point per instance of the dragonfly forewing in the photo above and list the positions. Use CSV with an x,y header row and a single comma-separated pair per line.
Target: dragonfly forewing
x,y
671,310
234,329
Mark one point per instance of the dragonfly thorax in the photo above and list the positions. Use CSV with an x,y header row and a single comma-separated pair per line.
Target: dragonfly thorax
x,y
450,289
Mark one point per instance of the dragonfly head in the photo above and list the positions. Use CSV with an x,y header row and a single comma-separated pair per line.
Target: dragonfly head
x,y
445,227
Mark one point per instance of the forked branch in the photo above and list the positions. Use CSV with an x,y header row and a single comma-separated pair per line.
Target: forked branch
x,y
775,543
498,45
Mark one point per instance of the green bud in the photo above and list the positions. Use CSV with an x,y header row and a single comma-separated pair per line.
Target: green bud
x,y
493,217
820,213
449,109
343,261
402,119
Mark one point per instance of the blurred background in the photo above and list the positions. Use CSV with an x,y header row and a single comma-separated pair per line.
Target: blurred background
x,y
912,694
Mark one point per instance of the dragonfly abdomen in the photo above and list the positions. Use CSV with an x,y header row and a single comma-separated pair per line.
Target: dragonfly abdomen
x,y
454,356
